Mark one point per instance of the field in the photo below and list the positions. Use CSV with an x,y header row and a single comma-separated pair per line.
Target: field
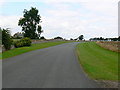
x,y
97,62
18,51
110,45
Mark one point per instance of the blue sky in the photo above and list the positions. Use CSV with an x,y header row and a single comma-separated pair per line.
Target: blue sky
x,y
66,18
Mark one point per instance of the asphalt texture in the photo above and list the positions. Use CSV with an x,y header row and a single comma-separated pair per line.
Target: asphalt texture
x,y
53,67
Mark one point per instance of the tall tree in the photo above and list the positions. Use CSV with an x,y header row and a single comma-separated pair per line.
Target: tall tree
x,y
81,37
39,30
30,23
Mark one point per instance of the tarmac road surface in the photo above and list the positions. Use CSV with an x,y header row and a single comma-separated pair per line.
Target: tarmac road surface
x,y
53,67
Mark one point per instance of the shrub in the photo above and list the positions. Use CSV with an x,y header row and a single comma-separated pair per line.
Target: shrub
x,y
6,40
42,38
23,42
18,44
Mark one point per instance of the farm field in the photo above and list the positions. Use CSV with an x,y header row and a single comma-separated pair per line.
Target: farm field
x,y
110,45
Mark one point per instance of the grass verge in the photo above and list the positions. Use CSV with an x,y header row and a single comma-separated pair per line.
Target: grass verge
x,y
18,51
97,62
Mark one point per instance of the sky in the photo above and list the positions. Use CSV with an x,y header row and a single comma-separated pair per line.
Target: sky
x,y
65,18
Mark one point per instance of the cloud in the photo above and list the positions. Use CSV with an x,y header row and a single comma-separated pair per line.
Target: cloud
x,y
70,18
10,22
93,19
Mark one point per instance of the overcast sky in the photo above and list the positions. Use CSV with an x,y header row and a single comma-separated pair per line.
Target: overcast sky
x,y
65,18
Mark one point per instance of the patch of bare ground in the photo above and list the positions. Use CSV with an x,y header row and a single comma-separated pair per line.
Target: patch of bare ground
x,y
108,84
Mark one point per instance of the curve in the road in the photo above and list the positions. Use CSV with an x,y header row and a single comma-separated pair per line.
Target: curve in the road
x,y
53,67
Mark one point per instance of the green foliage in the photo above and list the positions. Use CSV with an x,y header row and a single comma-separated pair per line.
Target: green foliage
x,y
105,39
42,37
119,38
0,36
29,23
23,42
6,40
58,37
81,37
39,30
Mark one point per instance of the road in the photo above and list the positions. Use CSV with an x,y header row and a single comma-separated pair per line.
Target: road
x,y
53,67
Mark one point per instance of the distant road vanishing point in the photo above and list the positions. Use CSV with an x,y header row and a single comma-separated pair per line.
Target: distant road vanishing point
x,y
53,67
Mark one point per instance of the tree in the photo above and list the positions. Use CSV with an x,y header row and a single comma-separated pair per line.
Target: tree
x,y
101,38
30,23
39,30
58,37
81,37
119,38
6,40
0,35
42,37
71,39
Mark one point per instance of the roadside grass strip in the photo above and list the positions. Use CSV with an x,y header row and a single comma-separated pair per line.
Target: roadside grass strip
x,y
97,62
18,51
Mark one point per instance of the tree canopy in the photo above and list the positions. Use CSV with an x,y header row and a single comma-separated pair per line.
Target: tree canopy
x,y
81,37
58,37
30,23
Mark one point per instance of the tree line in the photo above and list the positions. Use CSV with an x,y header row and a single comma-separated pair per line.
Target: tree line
x,y
104,39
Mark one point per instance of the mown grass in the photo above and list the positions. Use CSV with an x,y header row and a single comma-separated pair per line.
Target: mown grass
x,y
98,63
18,51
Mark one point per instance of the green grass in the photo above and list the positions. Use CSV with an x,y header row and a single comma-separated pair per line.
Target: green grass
x,y
18,51
98,63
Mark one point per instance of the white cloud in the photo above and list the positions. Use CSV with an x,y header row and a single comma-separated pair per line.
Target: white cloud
x,y
94,18
10,22
101,20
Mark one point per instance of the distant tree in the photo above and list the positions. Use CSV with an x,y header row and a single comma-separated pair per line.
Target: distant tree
x,y
114,39
30,23
58,37
42,37
75,39
101,38
81,37
119,38
6,39
71,39
0,35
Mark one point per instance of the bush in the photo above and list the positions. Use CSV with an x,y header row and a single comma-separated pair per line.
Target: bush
x,y
42,38
23,42
18,44
6,40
